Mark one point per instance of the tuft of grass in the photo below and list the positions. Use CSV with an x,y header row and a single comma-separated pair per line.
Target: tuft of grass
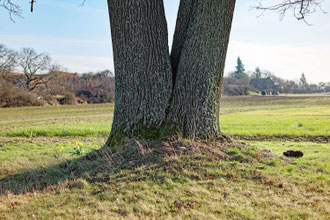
x,y
233,151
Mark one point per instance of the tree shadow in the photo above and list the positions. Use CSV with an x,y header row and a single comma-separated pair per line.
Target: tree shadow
x,y
95,166
101,165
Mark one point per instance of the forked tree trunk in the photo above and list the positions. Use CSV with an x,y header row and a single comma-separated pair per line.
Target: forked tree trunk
x,y
149,94
198,59
142,66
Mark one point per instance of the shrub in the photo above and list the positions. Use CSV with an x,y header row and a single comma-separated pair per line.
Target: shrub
x,y
50,99
234,90
68,99
11,96
97,95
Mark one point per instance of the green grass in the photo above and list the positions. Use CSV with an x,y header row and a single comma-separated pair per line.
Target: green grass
x,y
314,164
201,185
308,121
202,180
46,112
94,129
21,154
247,116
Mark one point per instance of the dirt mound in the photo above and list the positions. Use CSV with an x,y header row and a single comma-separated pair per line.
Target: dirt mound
x,y
291,153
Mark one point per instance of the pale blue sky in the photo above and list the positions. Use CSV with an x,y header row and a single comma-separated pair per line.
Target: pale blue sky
x,y
79,37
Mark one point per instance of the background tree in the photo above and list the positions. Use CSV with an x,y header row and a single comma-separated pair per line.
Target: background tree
x,y
239,68
7,59
33,64
304,86
303,81
7,64
257,73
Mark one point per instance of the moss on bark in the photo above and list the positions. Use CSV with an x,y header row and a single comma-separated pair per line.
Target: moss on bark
x,y
154,99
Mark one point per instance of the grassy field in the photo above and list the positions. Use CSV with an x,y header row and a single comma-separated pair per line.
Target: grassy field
x,y
244,117
43,177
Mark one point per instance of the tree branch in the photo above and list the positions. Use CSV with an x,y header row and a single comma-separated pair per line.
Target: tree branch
x,y
12,8
300,8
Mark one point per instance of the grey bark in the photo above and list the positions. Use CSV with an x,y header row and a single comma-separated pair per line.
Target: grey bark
x,y
149,94
199,52
142,65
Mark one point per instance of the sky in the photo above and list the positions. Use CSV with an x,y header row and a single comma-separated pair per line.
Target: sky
x,y
78,38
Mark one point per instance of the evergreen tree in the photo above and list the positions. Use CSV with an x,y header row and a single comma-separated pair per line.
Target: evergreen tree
x,y
257,73
303,80
239,69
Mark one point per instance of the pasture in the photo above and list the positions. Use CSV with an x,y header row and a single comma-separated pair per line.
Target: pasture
x,y
43,177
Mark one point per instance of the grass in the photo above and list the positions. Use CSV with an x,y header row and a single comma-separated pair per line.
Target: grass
x,y
96,129
173,179
315,164
244,117
211,182
308,121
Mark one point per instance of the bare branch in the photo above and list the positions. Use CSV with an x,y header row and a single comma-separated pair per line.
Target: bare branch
x,y
300,8
33,64
15,10
32,2
83,3
12,8
8,59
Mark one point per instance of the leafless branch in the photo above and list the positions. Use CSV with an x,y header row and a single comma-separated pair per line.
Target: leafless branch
x,y
8,59
300,8
83,3
32,64
32,2
15,10
12,8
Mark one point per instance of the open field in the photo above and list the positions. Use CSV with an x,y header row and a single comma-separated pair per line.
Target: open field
x,y
244,117
207,181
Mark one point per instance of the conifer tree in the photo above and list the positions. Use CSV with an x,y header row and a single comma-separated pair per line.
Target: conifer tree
x,y
239,69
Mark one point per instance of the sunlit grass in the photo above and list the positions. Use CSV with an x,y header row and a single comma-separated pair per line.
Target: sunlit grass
x,y
199,186
252,183
307,121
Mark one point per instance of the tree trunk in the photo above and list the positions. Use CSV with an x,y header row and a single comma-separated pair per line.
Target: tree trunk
x,y
142,67
149,94
198,58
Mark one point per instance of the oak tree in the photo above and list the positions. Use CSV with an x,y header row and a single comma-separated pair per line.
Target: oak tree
x,y
158,92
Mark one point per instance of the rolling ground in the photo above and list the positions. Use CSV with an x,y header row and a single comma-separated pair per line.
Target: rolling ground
x,y
42,176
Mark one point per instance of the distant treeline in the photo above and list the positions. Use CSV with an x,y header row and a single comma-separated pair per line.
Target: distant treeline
x,y
28,78
266,83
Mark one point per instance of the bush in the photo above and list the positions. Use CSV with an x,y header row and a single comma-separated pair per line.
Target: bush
x,y
50,99
233,90
11,96
96,95
68,99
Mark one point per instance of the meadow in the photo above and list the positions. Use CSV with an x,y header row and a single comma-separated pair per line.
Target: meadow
x,y
43,176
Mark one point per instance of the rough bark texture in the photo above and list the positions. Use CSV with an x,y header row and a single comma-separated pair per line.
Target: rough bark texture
x,y
184,15
199,52
149,94
142,65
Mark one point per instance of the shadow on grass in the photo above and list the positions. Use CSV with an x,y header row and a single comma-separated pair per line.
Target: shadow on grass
x,y
95,166
191,161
